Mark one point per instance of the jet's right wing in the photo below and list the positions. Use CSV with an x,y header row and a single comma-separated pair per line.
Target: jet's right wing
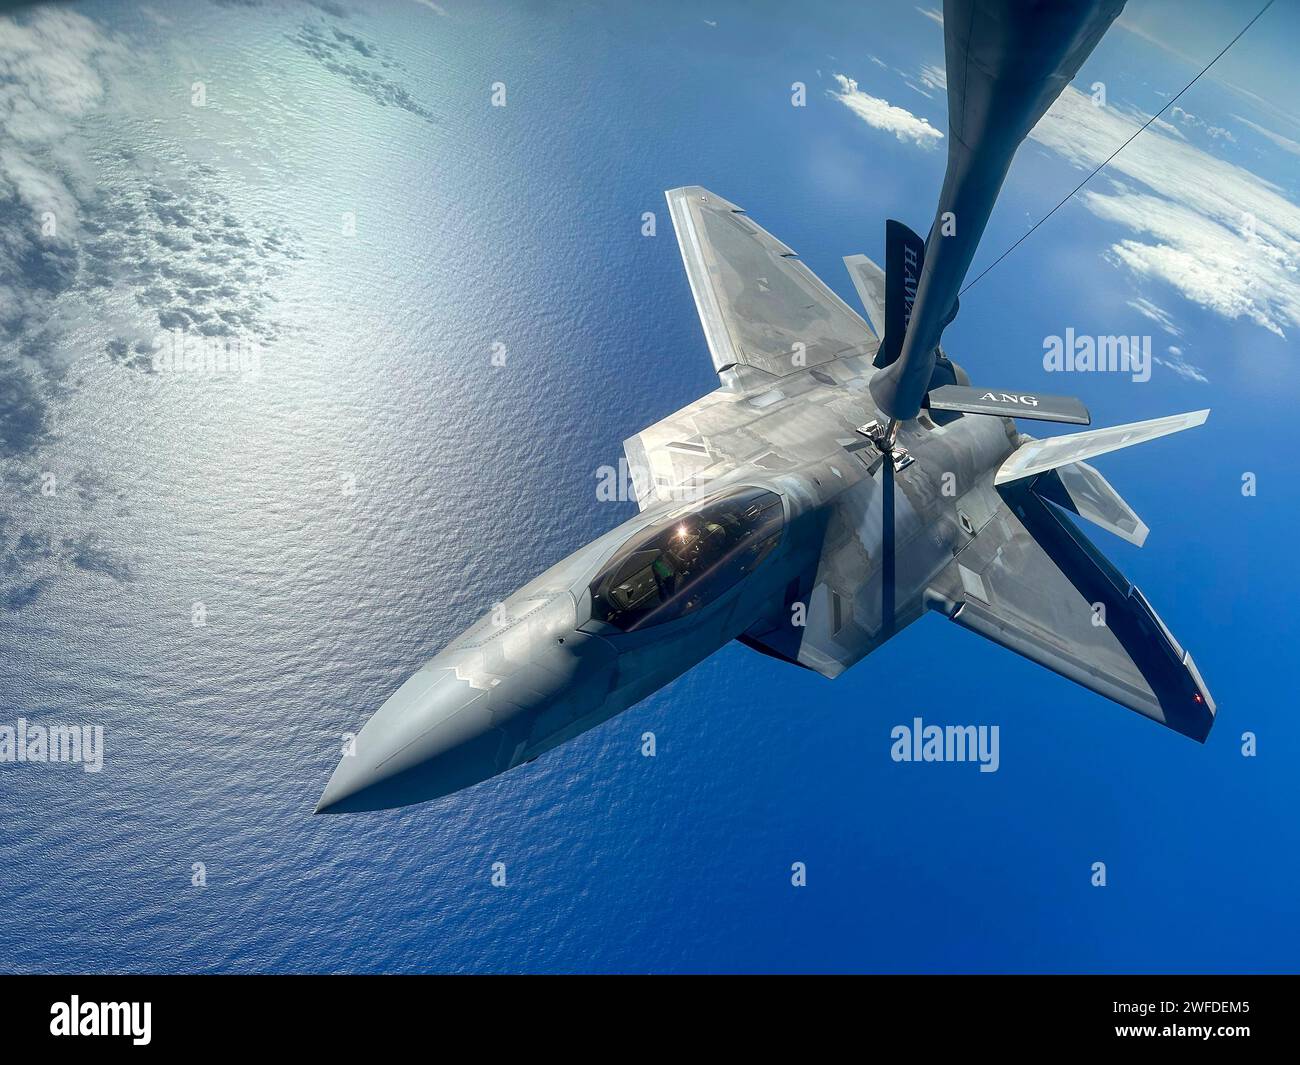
x,y
1032,582
759,305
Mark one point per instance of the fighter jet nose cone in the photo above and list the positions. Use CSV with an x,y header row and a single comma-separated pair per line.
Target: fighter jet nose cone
x,y
477,709
345,782
435,735
349,790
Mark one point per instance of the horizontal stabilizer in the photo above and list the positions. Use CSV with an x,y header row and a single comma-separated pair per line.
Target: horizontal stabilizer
x,y
869,280
1038,456
1009,404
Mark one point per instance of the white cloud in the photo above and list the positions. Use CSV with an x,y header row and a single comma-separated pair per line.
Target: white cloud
x,y
1225,238
1157,314
932,14
1189,119
933,76
1285,143
437,9
54,70
880,114
38,189
49,73
1174,361
929,80
1168,127
77,243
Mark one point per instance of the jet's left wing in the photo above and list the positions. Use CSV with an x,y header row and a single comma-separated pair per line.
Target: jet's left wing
x,y
759,305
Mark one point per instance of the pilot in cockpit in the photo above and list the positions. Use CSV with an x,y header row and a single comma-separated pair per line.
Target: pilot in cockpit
x,y
671,569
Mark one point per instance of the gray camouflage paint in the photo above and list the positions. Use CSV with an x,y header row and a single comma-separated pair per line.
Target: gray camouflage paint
x,y
540,670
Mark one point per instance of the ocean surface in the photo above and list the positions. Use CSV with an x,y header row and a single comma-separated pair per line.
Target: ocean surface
x,y
348,200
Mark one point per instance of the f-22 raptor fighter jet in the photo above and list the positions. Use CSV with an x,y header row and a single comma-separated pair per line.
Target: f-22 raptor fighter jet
x,y
844,475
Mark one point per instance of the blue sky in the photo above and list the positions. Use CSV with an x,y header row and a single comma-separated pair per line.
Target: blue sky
x,y
1201,205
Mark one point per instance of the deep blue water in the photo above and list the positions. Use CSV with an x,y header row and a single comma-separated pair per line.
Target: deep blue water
x,y
521,225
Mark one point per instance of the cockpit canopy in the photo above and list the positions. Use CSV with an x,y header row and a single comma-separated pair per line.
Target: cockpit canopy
x,y
682,563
